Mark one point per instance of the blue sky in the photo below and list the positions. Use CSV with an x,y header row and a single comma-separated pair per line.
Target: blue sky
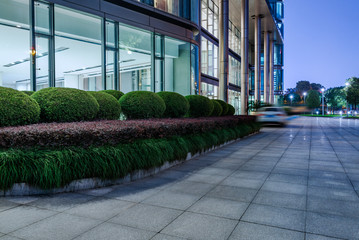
x,y
321,41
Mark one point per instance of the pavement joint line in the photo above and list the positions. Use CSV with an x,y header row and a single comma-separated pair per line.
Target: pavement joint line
x,y
306,198
340,161
263,182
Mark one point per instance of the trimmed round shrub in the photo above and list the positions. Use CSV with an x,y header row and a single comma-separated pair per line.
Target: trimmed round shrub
x,y
224,106
17,108
199,106
66,104
110,108
217,109
117,94
231,111
176,105
28,92
142,105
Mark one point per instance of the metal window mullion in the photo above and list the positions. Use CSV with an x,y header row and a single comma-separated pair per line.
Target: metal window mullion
x,y
32,46
163,55
52,75
116,69
153,52
103,52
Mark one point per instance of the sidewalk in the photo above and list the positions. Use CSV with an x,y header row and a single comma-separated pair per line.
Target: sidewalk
x,y
298,182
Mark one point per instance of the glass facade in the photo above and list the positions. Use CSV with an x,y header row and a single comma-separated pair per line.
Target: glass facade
x,y
209,58
209,16
91,53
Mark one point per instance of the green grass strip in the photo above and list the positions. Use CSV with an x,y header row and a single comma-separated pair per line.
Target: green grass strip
x,y
56,167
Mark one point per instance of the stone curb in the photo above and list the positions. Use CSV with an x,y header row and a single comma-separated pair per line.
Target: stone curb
x,y
24,189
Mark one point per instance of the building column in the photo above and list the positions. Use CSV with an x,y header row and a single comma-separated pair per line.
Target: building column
x,y
223,49
244,57
266,67
257,57
271,72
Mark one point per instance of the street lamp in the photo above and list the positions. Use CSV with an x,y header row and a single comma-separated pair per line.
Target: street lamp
x,y
322,101
347,84
291,99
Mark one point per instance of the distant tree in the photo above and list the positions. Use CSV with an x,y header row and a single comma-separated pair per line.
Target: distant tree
x,y
335,97
353,91
316,86
302,86
313,99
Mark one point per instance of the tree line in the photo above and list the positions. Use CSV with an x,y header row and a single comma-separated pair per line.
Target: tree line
x,y
309,94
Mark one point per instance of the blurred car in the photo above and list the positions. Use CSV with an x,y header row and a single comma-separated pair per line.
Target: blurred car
x,y
272,115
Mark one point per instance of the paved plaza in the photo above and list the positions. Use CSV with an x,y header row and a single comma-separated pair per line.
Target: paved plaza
x,y
298,182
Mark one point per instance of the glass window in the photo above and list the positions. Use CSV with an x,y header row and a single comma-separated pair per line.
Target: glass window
x,y
234,98
234,71
209,58
42,17
278,54
77,50
209,90
135,59
209,17
177,66
234,39
14,44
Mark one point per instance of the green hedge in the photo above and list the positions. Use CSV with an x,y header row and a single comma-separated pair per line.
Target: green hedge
x,y
231,110
217,109
142,105
224,106
176,105
117,94
66,104
17,108
199,106
51,168
110,108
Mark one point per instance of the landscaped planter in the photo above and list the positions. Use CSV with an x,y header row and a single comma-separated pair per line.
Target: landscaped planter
x,y
93,154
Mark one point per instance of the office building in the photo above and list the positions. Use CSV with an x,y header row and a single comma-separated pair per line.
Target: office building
x,y
219,48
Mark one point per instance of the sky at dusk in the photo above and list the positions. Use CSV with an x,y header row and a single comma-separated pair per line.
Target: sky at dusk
x,y
321,40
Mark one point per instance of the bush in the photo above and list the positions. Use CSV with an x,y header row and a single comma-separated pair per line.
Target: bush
x,y
142,105
111,132
55,167
199,106
176,105
231,110
217,109
17,108
28,92
110,108
117,94
224,106
66,104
